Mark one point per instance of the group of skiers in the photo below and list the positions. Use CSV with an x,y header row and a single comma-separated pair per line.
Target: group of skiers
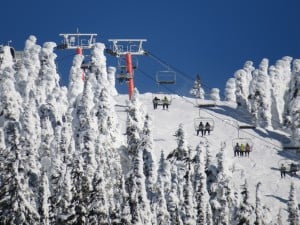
x,y
164,102
203,129
242,150
293,170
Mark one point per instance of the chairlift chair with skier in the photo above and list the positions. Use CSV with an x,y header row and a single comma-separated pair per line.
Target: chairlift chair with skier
x,y
243,141
204,121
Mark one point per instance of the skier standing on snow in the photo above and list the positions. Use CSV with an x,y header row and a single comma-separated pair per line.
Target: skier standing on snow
x,y
282,171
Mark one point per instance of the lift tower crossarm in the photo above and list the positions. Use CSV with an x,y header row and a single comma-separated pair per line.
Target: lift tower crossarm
x,y
78,40
127,46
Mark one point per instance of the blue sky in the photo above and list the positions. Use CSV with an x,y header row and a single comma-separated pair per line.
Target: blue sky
x,y
213,38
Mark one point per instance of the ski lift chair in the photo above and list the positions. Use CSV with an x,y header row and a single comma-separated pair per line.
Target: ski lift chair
x,y
242,141
204,120
160,96
166,77
123,77
243,127
201,103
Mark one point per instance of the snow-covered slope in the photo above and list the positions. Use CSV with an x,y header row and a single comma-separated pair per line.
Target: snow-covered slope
x,y
263,163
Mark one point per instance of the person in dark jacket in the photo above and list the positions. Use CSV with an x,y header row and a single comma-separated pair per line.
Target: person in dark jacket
x,y
155,102
200,129
237,149
282,171
207,128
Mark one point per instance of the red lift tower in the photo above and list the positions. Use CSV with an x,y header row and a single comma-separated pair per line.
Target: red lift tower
x,y
124,49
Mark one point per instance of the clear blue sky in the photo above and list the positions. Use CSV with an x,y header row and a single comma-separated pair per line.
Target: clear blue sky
x,y
210,37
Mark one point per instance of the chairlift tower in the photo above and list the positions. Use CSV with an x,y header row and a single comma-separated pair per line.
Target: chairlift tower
x,y
126,48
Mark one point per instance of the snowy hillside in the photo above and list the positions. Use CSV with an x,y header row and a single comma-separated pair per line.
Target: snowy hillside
x,y
83,154
262,165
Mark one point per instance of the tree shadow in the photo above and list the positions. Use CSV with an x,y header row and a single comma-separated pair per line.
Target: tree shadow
x,y
285,201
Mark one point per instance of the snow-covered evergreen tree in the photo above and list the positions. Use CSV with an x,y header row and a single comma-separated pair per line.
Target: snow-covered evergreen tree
x,y
215,94
135,182
293,211
197,90
292,115
261,211
245,211
200,186
111,74
178,157
222,199
260,96
242,82
15,205
163,188
280,77
148,158
230,90
188,203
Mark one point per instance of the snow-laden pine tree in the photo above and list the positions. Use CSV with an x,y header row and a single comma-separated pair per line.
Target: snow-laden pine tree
x,y
215,94
261,211
111,74
200,186
188,192
230,95
29,68
245,211
222,199
109,137
15,203
84,163
163,188
197,91
292,117
48,78
242,82
280,77
293,210
18,200
135,180
147,146
260,96
178,158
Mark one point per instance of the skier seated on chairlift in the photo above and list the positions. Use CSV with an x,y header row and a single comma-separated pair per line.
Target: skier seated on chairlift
x,y
247,150
165,102
242,149
155,102
207,128
237,149
200,129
